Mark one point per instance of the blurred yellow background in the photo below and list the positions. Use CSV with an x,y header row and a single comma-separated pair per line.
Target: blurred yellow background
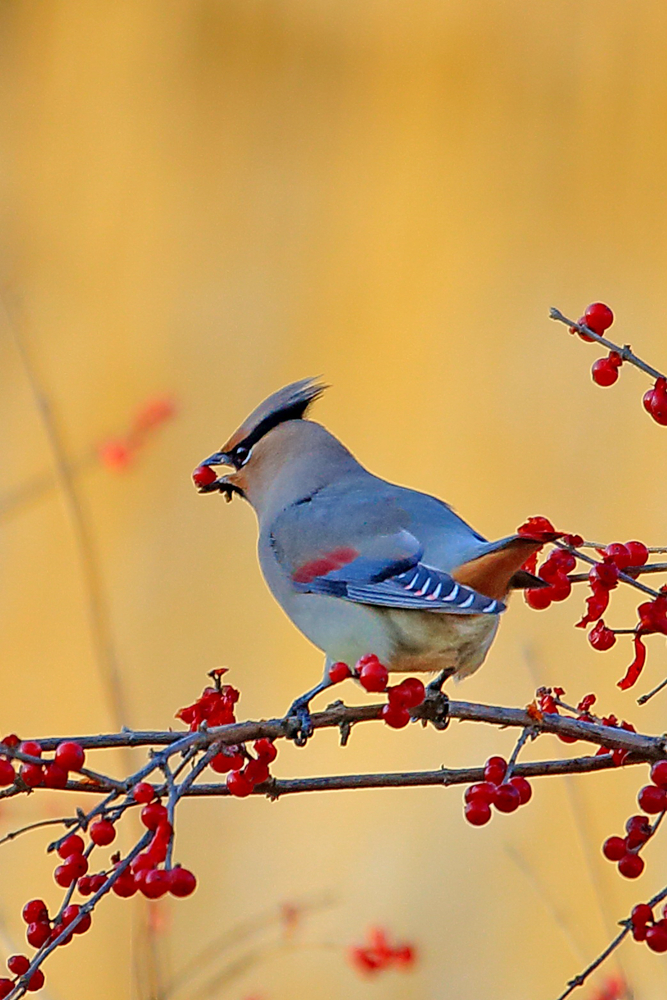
x,y
209,199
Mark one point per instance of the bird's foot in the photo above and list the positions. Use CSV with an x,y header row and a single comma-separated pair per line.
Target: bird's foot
x,y
298,722
436,702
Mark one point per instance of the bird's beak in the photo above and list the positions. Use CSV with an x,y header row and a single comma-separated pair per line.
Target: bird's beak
x,y
218,458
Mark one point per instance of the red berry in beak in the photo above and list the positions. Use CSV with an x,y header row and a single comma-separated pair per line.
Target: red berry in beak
x,y
203,475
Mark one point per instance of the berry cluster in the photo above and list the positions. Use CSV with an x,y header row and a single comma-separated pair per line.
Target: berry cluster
x,y
374,677
118,452
243,770
505,795
597,319
616,559
655,401
36,773
653,800
646,928
215,706
379,954
549,701
18,965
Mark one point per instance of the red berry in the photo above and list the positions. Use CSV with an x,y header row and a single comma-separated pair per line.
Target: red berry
x,y
97,881
598,317
125,885
181,882
32,748
102,832
560,589
373,676
156,853
538,598
523,787
409,693
506,798
604,372
204,475
6,987
619,554
639,830
18,964
152,814
601,637
641,914
614,848
562,560
155,883
395,716
32,774
71,845
495,770
84,924
656,936
256,771
38,933
638,553
266,750
84,885
631,865
7,774
34,910
652,799
36,981
339,672
478,812
141,862
222,762
55,776
659,774
78,862
70,755
584,336
604,575
70,913
481,790
238,784
143,793
64,876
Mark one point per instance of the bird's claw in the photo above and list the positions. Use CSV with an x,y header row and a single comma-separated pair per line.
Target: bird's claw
x,y
436,706
299,723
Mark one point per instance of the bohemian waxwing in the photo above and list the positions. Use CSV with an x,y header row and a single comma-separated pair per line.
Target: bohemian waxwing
x,y
360,565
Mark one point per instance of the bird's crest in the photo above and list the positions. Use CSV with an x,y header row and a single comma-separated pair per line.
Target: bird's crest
x,y
289,403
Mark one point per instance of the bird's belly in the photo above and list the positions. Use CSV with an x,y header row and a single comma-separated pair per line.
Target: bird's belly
x,y
405,641
426,640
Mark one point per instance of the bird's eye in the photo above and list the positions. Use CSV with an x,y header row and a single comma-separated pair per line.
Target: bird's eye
x,y
240,455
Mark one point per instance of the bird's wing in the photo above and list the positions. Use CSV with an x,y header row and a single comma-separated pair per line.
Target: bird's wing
x,y
363,552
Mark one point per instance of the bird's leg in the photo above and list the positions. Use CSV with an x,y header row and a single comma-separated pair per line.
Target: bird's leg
x,y
438,699
298,715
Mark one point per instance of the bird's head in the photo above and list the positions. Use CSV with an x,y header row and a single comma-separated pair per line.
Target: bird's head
x,y
276,454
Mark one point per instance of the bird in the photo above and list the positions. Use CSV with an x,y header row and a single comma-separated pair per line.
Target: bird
x,y
361,565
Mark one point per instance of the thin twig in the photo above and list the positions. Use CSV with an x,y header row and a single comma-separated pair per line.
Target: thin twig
x,y
83,535
64,820
624,351
520,743
583,976
649,694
